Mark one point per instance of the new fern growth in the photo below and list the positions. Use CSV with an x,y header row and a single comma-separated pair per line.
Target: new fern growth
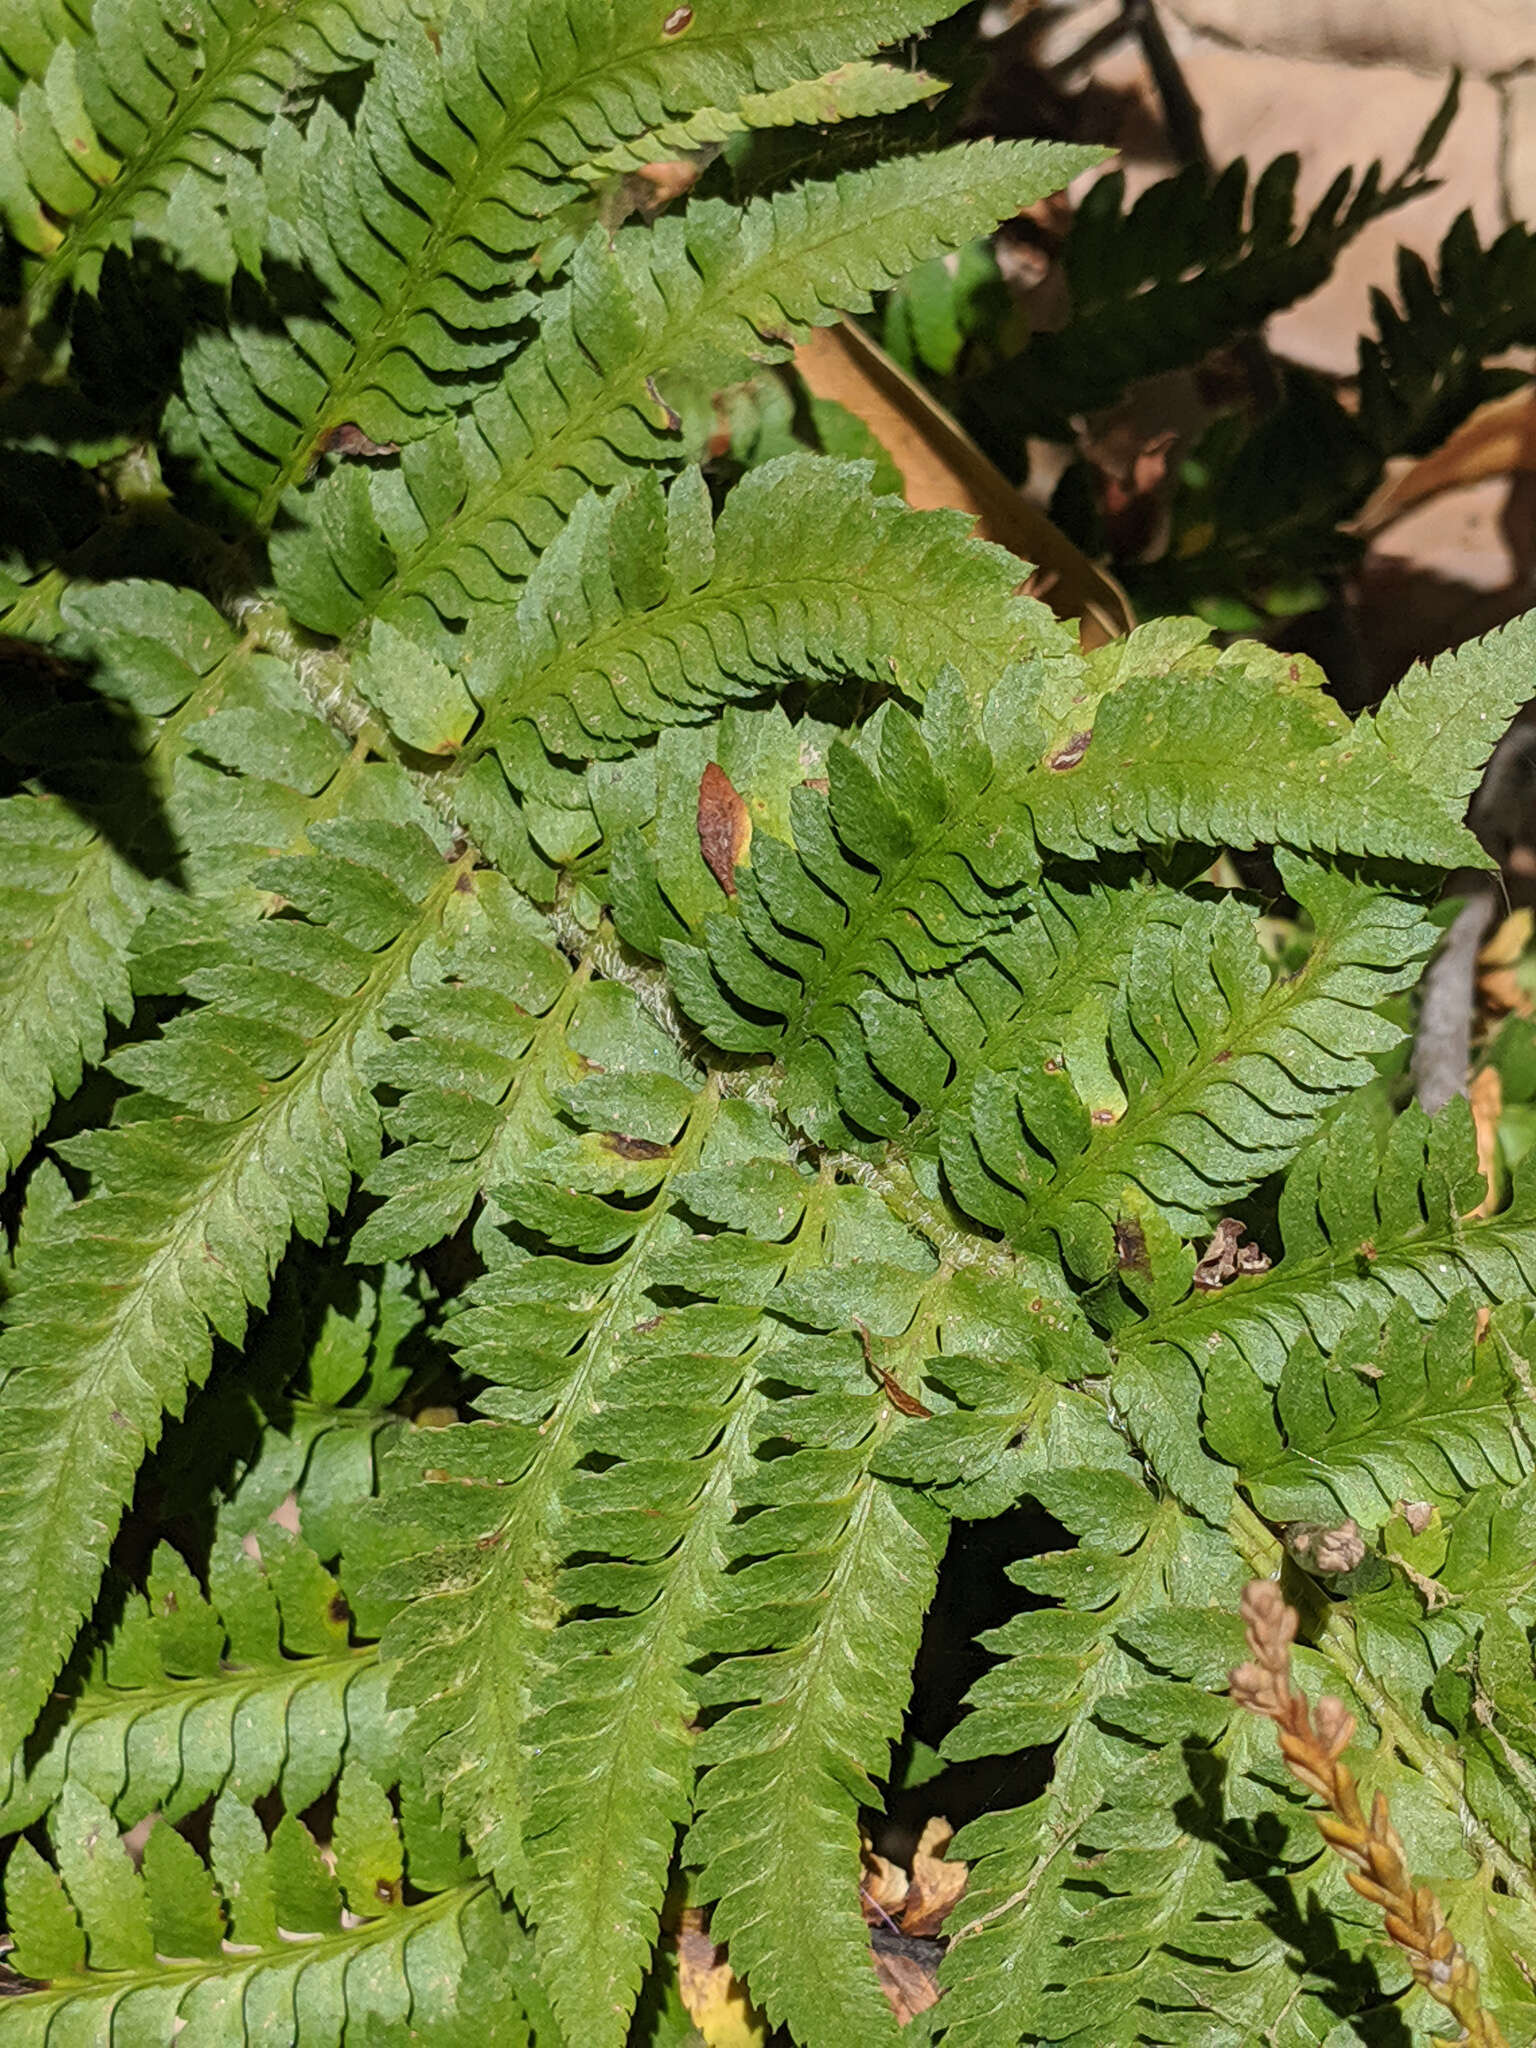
x,y
593,1056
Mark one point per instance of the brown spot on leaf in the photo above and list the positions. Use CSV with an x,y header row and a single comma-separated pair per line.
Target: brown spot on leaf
x,y
1130,1245
677,21
337,1610
1069,753
725,830
349,439
1418,1514
634,1148
671,418
903,1402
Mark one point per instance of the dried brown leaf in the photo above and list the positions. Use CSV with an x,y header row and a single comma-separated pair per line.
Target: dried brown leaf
x,y
910,1987
1486,1096
725,829
936,1886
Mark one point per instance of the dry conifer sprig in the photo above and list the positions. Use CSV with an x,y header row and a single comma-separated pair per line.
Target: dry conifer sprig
x,y
1312,1743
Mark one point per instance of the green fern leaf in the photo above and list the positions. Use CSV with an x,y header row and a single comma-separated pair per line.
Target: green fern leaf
x,y
158,1961
1388,1415
478,1549
270,1698
611,1728
143,128
901,868
486,1021
696,294
851,92
607,643
1009,1938
1223,1072
174,678
68,910
422,222
821,1623
1361,1221
116,1316
1168,758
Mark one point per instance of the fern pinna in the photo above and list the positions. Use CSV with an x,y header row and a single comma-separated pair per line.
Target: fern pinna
x,y
597,1049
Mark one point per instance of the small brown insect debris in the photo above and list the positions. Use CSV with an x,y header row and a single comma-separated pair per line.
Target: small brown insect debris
x,y
1224,1259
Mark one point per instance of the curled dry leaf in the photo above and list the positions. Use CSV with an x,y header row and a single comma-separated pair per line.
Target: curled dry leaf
x,y
725,829
1486,1096
1225,1258
1498,981
1498,440
937,1886
909,1984
905,1913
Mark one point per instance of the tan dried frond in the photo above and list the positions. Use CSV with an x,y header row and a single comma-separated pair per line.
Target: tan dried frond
x,y
1312,1743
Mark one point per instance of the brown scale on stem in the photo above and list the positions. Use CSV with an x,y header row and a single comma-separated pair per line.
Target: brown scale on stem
x,y
1312,1742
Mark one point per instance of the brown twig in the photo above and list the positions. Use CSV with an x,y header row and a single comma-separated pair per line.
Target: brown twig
x,y
1311,1743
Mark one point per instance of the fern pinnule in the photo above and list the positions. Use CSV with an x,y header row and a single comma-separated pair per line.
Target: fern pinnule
x,y
1312,1741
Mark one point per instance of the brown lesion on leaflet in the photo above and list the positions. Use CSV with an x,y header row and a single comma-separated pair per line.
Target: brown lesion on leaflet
x,y
635,1148
903,1402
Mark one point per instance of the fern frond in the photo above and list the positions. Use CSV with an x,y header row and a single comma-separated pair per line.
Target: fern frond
x,y
697,293
260,1941
851,92
648,1508
69,907
801,576
475,1502
908,861
422,221
115,1317
1176,756
485,1021
1022,1960
174,679
1219,1070
251,1688
820,1620
1362,1220
1197,258
269,1680
147,127
1388,1414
